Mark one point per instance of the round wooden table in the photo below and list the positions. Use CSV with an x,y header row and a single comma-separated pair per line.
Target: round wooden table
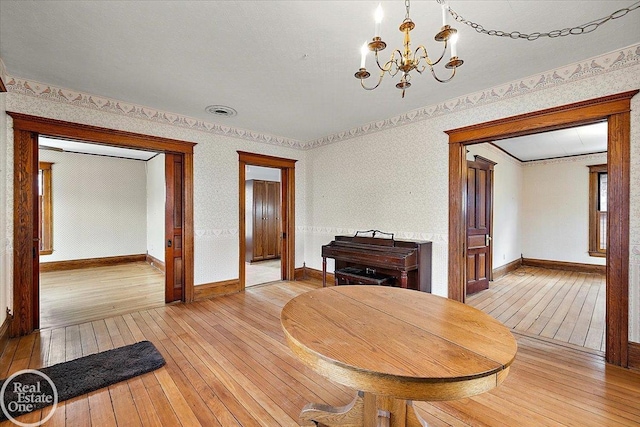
x,y
394,346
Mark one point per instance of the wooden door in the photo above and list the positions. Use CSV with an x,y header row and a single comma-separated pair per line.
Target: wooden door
x,y
174,228
479,215
271,218
259,202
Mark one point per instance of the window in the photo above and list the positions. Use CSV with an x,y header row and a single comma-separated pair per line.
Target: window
x,y
598,210
46,209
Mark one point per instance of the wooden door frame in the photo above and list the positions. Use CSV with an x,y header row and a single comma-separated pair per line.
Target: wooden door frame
x,y
615,109
25,297
288,187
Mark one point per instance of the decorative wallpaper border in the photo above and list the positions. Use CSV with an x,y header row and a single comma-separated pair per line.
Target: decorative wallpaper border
x,y
216,233
401,235
627,57
114,106
623,58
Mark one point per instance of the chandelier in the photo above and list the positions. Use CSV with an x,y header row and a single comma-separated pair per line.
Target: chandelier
x,y
404,60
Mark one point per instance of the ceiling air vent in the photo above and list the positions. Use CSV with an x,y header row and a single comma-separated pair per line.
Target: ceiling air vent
x,y
221,110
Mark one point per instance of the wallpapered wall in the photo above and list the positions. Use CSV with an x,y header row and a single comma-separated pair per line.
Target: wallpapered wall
x,y
99,206
402,188
215,177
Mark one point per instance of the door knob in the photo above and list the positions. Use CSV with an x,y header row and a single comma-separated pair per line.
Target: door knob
x,y
169,243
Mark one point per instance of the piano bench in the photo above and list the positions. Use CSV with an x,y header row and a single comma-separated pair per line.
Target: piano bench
x,y
358,276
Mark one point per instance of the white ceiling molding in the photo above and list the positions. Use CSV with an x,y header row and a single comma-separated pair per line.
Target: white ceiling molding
x,y
618,59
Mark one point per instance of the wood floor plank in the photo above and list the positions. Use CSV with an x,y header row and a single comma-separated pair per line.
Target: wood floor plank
x,y
228,365
562,305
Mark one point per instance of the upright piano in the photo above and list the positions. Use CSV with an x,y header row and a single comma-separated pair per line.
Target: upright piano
x,y
380,261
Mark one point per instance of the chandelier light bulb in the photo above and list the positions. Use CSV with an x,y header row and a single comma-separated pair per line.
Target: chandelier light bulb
x,y
408,61
444,14
363,54
454,45
378,17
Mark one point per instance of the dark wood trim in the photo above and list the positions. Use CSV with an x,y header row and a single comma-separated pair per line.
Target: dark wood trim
x,y
3,88
570,115
298,273
75,264
154,262
188,240
634,355
564,265
98,135
26,266
46,220
594,175
4,332
564,157
507,268
312,273
288,186
618,183
615,109
214,289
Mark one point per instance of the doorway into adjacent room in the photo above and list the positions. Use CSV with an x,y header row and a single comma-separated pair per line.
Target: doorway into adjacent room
x,y
102,231
263,225
615,110
546,246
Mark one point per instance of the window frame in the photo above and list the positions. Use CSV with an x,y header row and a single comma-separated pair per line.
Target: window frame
x,y
46,210
594,195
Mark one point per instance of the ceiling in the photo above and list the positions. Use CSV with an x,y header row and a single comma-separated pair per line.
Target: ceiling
x,y
588,139
286,66
67,146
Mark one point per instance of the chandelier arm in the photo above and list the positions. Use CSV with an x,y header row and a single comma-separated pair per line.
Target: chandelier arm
x,y
377,84
426,55
388,66
433,73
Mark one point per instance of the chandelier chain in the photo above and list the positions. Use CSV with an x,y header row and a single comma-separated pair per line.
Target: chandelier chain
x,y
574,31
407,6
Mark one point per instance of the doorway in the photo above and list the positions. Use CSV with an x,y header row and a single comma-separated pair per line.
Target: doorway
x,y
615,110
263,228
102,231
178,286
285,220
547,282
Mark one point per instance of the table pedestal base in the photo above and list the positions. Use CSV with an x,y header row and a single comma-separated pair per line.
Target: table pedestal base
x,y
366,410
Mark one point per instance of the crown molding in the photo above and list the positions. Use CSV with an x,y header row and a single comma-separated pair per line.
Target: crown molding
x,y
613,61
108,105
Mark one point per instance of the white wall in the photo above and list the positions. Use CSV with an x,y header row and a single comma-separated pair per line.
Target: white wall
x,y
155,206
5,245
262,173
99,206
556,209
216,172
507,203
402,186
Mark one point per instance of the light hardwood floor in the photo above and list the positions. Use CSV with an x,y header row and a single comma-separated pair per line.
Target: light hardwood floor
x,y
228,365
76,296
257,273
561,305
